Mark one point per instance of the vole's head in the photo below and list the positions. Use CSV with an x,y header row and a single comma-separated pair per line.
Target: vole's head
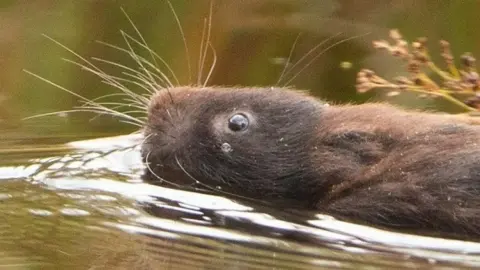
x,y
256,140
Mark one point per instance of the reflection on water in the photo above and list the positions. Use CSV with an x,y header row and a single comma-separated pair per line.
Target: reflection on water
x,y
89,209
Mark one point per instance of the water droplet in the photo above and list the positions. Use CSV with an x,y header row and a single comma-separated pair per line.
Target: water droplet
x,y
226,148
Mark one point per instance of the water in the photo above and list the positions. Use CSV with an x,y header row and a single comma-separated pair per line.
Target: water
x,y
71,196
88,208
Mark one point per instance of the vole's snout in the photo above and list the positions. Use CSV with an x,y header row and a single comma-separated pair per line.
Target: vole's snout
x,y
168,125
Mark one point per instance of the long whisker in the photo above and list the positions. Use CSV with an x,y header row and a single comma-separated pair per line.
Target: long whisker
x,y
135,56
142,82
287,63
112,109
98,107
200,55
138,74
94,69
312,50
209,187
115,95
321,53
135,102
204,48
147,163
97,111
139,34
164,77
118,105
130,102
113,113
127,97
131,123
180,28
212,67
108,79
57,86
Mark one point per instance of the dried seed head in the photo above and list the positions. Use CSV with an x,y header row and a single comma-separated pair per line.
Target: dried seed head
x,y
403,80
396,51
420,57
468,60
393,93
422,41
381,44
473,102
402,43
395,34
444,44
470,80
413,66
417,45
364,87
454,85
418,81
367,73
362,79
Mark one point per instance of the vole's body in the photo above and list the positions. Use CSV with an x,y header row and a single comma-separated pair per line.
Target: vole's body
x,y
369,163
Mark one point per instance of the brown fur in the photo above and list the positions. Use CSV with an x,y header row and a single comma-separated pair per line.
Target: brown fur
x,y
371,163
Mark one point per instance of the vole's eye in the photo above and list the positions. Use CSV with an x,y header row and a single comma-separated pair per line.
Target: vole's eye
x,y
238,122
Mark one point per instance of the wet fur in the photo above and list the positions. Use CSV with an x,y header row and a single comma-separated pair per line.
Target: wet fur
x,y
371,163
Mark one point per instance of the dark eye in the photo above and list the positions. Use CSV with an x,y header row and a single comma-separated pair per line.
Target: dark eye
x,y
238,122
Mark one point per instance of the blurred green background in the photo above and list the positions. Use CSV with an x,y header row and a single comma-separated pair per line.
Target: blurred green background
x,y
252,39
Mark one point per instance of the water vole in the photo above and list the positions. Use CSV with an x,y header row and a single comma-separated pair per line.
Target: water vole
x,y
371,163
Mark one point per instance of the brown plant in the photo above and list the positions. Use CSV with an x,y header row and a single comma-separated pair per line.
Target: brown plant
x,y
459,86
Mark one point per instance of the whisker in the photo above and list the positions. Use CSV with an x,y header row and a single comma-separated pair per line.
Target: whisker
x,y
212,67
52,113
170,95
135,103
57,86
142,82
130,102
91,110
135,56
288,59
105,110
130,123
118,107
135,112
105,104
321,53
209,187
108,79
140,79
200,55
145,138
139,34
112,109
147,163
171,118
312,50
165,78
96,106
112,95
204,48
180,28
93,68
